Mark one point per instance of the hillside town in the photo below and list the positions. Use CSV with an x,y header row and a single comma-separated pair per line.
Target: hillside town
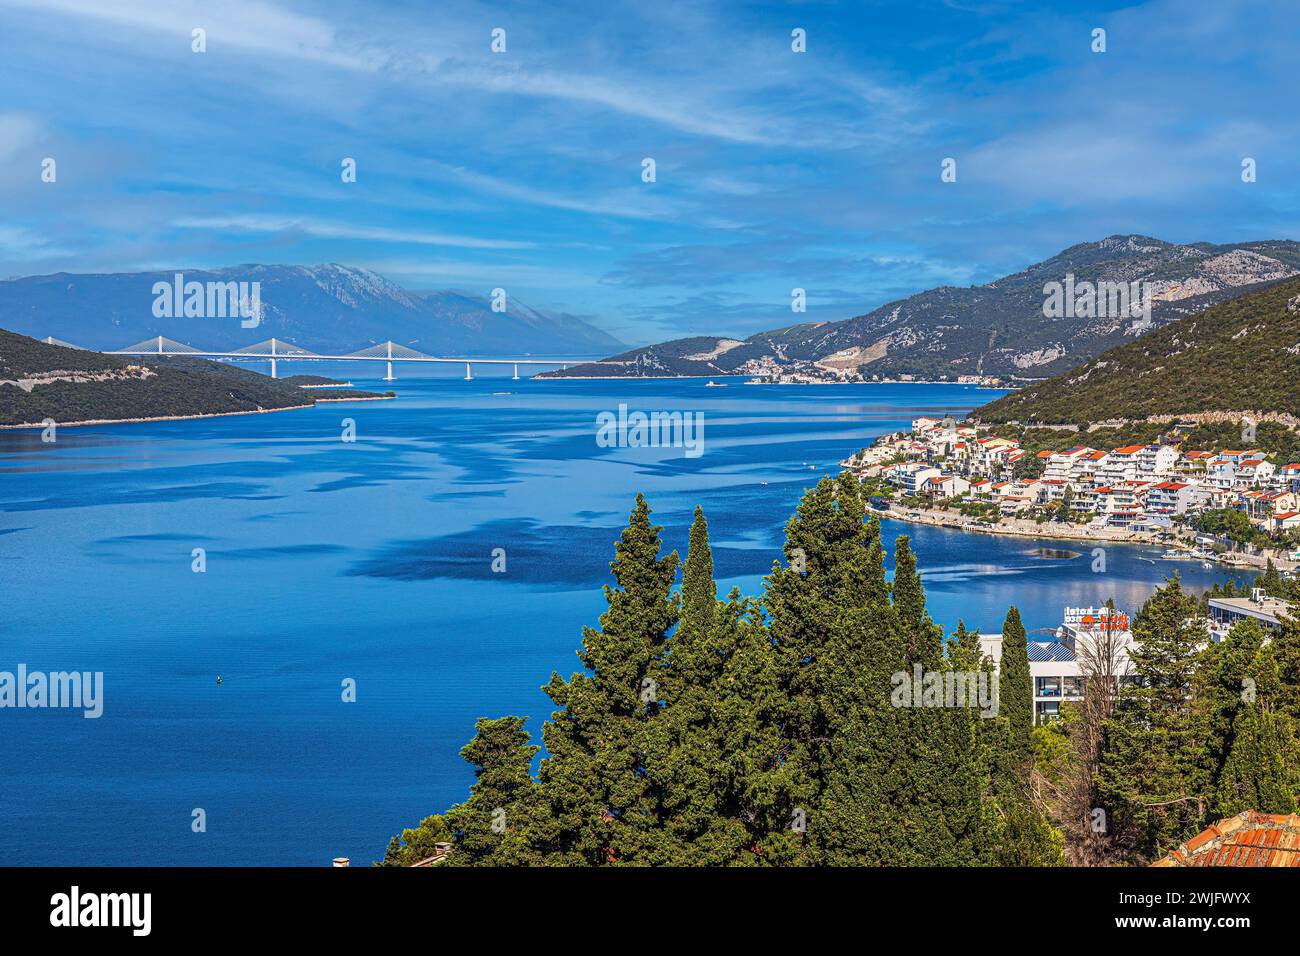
x,y
766,370
1150,492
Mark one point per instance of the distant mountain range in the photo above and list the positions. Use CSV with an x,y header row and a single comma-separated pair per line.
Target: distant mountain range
x,y
995,329
327,308
40,381
1239,356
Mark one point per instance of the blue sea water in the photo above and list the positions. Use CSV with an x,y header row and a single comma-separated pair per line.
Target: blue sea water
x,y
373,561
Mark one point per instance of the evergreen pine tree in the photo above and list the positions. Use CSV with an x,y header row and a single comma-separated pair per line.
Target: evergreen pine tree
x,y
1152,777
1255,775
1221,690
497,824
756,778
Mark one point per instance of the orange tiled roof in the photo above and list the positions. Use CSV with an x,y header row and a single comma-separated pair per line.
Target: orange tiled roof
x,y
1248,839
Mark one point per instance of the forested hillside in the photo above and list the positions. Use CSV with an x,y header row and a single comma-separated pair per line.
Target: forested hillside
x,y
40,381
1239,356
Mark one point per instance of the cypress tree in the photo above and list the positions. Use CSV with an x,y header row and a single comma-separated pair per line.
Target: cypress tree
x,y
756,777
686,770
975,823
601,810
833,648
692,661
1015,709
923,637
946,772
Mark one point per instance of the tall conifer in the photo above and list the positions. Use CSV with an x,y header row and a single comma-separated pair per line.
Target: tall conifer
x,y
1014,754
1152,772
594,773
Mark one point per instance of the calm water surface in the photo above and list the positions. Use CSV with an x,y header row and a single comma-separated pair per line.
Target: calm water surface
x,y
372,561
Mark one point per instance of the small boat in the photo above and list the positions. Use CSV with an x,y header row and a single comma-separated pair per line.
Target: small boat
x,y
712,384
218,680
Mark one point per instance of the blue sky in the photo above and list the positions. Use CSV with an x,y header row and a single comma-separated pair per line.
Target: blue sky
x,y
522,170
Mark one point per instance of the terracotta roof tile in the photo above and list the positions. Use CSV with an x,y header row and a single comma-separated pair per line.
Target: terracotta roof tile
x,y
1248,839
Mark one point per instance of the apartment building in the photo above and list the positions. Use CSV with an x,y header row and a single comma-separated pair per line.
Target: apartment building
x,y
1175,497
1157,459
1289,475
1124,464
910,477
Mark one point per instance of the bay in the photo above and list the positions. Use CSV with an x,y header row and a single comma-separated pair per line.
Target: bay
x,y
371,561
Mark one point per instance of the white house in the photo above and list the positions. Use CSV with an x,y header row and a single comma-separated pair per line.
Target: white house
x,y
945,486
1254,471
1285,521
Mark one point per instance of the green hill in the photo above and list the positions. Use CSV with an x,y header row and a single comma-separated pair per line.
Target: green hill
x,y
40,381
1238,356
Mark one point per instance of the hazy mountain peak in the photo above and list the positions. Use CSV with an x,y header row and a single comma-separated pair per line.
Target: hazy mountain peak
x,y
1004,328
325,307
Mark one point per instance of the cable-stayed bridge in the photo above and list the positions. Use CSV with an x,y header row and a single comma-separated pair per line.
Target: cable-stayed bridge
x,y
275,351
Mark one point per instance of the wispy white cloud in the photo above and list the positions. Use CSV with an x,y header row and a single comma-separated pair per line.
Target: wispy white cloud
x,y
24,245
17,133
255,223
486,275
247,25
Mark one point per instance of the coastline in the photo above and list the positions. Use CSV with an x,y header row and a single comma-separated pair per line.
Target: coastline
x,y
657,378
1032,529
203,415
162,418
